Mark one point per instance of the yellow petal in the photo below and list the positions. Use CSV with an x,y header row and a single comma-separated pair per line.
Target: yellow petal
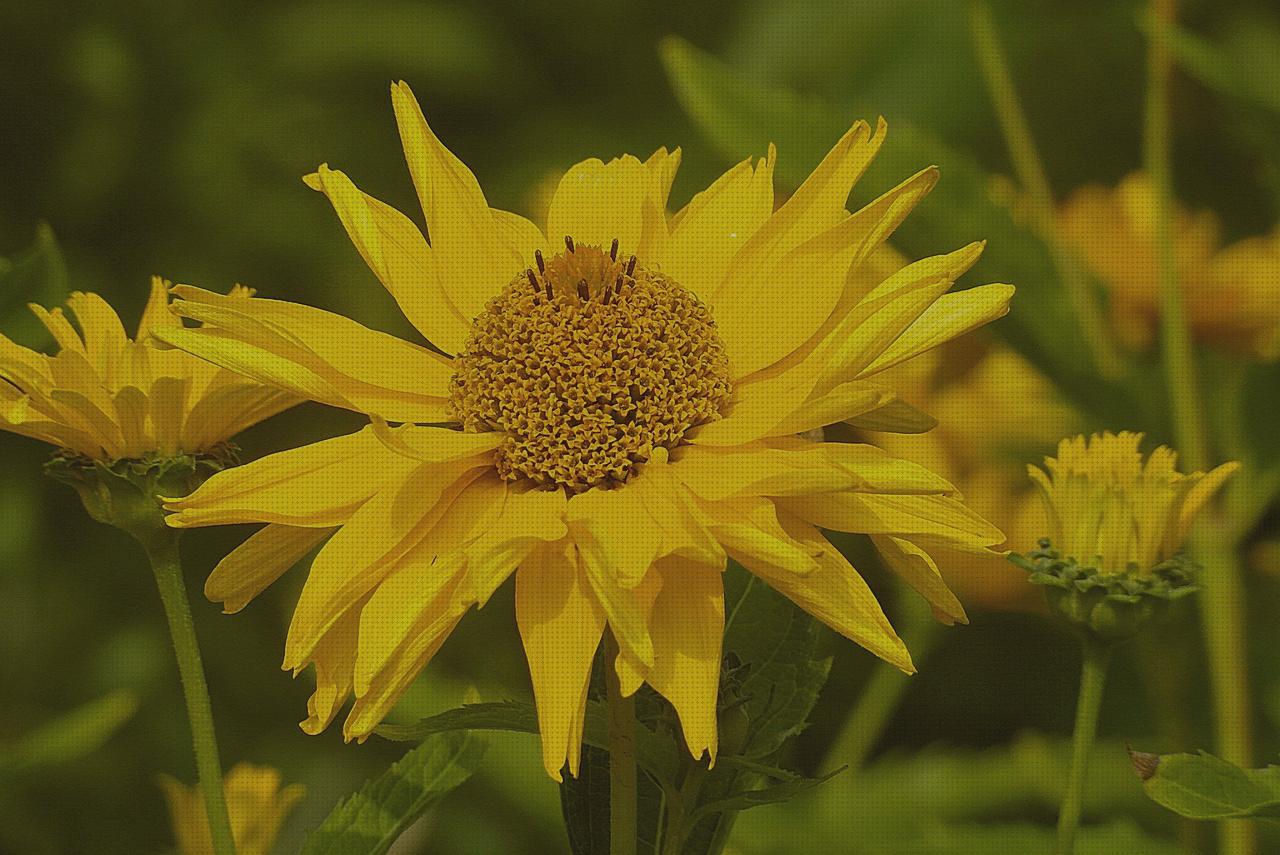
x,y
615,532
923,518
714,474
917,569
318,485
597,202
334,658
156,314
263,558
687,624
716,223
1196,498
846,401
835,593
560,625
748,527
436,444
225,411
951,316
104,337
398,255
894,415
315,354
473,257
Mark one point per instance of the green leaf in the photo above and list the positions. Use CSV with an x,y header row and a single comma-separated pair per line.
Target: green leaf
x,y
742,116
788,788
71,736
1201,786
369,821
36,275
654,754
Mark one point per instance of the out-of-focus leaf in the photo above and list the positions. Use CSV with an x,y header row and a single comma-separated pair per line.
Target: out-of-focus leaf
x,y
1245,67
38,274
1201,786
368,822
786,789
652,752
742,116
1022,838
76,734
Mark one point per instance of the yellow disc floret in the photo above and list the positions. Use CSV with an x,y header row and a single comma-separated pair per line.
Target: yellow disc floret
x,y
588,364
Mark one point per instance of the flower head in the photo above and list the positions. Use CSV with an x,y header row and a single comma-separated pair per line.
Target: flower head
x,y
1113,510
611,410
256,804
107,397
1232,294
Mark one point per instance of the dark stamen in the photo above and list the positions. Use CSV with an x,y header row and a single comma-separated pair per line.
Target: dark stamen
x,y
584,291
613,250
533,280
546,283
631,266
568,242
542,265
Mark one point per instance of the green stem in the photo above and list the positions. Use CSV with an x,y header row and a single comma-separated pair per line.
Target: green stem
x,y
1221,607
622,758
1093,676
1035,183
883,692
678,825
166,564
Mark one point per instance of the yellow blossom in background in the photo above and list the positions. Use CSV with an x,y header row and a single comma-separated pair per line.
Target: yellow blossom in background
x,y
108,397
1232,294
614,406
1113,510
257,805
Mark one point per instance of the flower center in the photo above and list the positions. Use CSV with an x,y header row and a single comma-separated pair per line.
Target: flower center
x,y
588,364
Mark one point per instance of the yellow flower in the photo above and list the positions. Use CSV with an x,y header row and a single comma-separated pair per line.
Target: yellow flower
x,y
1111,510
614,409
256,803
1232,295
107,397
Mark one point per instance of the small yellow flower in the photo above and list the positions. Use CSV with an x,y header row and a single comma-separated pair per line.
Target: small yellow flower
x,y
107,397
613,408
255,801
1112,511
1232,294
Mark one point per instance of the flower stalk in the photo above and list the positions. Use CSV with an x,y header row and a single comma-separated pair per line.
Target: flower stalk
x,y
1093,677
622,758
166,564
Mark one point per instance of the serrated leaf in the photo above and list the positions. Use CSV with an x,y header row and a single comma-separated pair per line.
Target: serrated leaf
x,y
70,736
1201,786
742,116
368,822
38,274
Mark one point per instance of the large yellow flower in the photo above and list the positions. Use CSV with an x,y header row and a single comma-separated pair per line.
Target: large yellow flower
x,y
107,397
614,407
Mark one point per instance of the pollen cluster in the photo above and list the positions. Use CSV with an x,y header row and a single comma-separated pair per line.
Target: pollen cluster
x,y
589,364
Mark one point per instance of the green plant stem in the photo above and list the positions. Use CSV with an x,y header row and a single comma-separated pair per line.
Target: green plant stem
x,y
678,825
1093,677
1035,183
1221,607
883,691
166,564
622,758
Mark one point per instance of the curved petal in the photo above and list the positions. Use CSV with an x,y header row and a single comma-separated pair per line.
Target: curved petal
x,y
263,558
315,354
917,569
473,252
334,658
922,518
561,625
319,485
950,317
398,255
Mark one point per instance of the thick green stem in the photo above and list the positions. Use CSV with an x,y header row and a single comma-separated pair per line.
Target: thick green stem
x,y
622,759
1222,610
883,692
1093,676
678,825
1034,182
162,549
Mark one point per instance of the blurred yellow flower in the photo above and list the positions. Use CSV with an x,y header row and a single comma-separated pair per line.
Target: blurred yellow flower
x,y
255,801
615,408
1111,510
1232,295
108,397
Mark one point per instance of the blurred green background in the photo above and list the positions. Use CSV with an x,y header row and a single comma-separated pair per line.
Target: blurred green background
x,y
170,138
